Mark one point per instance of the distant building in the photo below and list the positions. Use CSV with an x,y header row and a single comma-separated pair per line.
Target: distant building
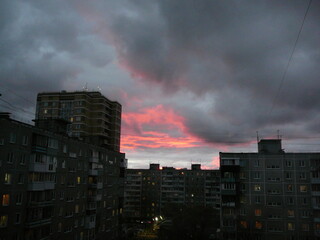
x,y
149,191
56,187
270,194
91,116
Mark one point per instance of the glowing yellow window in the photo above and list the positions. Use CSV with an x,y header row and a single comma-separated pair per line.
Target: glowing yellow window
x,y
5,199
257,212
258,225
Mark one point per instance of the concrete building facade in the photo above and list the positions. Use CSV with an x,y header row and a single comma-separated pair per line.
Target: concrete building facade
x,y
149,191
56,187
270,194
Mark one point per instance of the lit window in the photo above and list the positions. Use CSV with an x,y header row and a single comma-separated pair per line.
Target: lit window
x,y
257,212
290,226
5,199
7,178
78,180
257,187
258,225
244,224
3,220
290,213
289,188
303,188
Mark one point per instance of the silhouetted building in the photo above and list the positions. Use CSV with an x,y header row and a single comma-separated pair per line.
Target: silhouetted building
x,y
270,194
91,116
56,187
149,191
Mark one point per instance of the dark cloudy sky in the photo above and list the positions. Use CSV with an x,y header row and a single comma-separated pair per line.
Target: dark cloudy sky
x,y
194,77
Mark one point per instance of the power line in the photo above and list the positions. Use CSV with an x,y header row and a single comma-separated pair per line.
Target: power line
x,y
290,58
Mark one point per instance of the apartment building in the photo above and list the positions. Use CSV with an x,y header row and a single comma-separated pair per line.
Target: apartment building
x,y
91,115
149,191
270,194
56,187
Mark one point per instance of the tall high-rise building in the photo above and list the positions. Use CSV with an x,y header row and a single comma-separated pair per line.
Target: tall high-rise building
x,y
270,194
91,116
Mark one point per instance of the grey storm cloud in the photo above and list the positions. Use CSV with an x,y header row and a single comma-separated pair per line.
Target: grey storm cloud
x,y
235,51
230,54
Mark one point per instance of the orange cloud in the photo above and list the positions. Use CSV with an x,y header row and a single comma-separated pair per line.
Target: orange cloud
x,y
155,127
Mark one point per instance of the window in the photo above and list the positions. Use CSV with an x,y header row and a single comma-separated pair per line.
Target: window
x,y
258,225
256,163
78,180
304,201
305,227
288,175
10,157
301,163
23,159
76,209
18,218
289,188
290,213
13,138
288,163
257,199
303,188
20,178
290,226
5,199
290,201
256,175
257,187
302,175
1,141
3,221
7,178
257,212
19,199
59,227
25,140
244,224
53,143
63,164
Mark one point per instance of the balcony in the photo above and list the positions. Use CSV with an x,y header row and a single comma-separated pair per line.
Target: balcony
x,y
229,204
93,172
90,222
92,185
228,179
38,223
228,192
94,159
99,185
41,203
41,186
40,167
98,197
229,162
91,206
315,193
315,180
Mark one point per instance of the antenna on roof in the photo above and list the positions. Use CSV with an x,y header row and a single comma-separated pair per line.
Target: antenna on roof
x,y
278,134
85,88
258,137
99,88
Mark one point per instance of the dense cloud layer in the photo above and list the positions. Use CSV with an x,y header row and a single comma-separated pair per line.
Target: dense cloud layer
x,y
217,66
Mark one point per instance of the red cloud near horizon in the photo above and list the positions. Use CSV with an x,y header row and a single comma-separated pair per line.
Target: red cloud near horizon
x,y
156,127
